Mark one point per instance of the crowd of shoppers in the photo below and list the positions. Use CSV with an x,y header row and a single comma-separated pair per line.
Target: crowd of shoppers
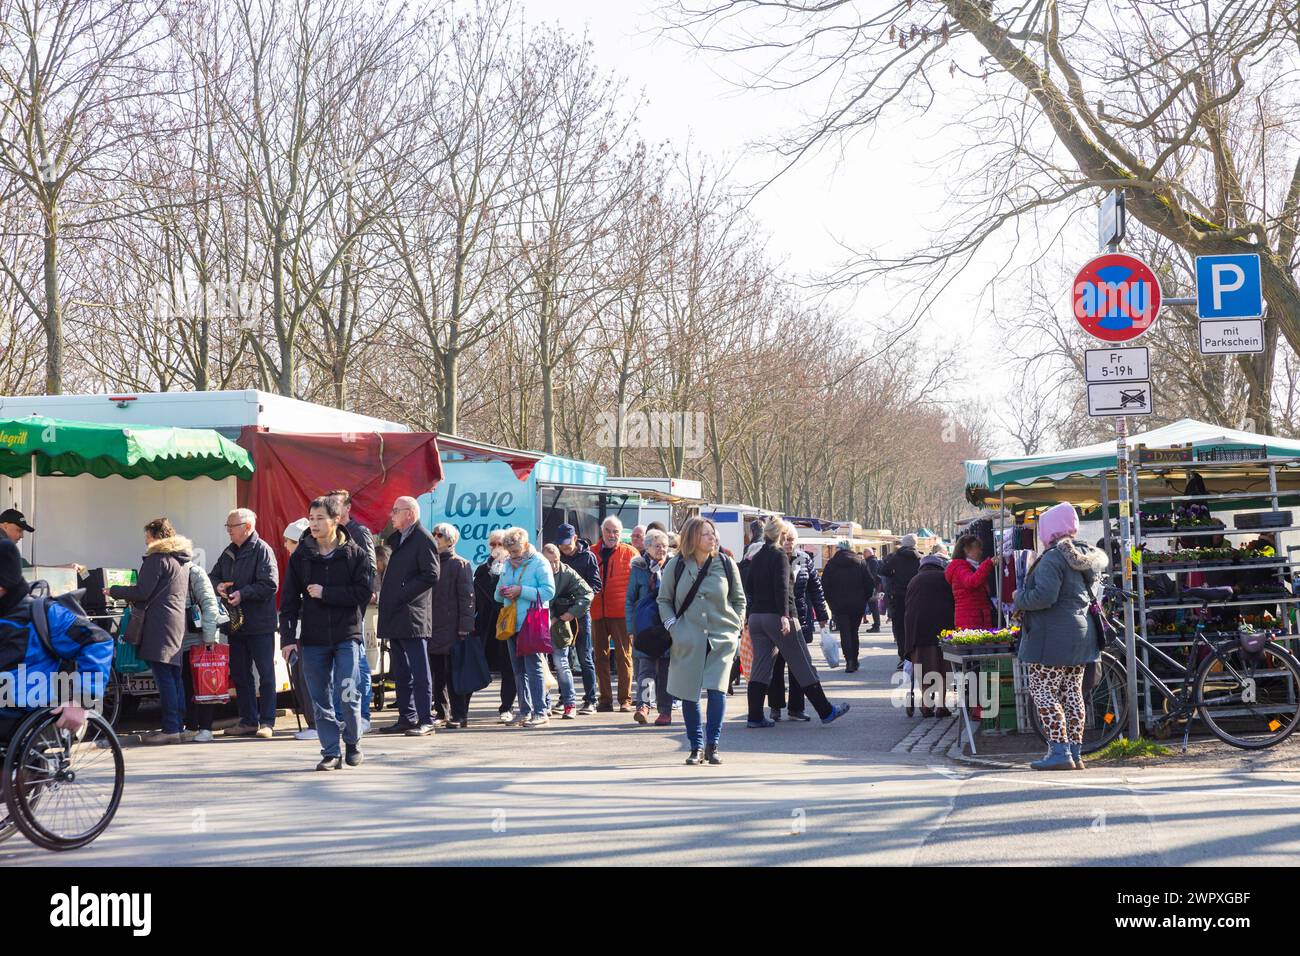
x,y
663,614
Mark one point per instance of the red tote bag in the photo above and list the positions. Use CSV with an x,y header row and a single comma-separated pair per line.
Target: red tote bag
x,y
535,635
210,668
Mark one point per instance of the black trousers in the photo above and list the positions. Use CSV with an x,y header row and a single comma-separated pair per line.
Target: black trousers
x,y
498,655
849,621
447,704
776,690
875,613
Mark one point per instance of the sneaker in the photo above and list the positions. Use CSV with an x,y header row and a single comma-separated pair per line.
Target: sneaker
x,y
557,710
423,730
203,737
586,709
568,712
264,732
239,730
642,714
308,734
354,758
400,727
518,720
158,737
663,720
838,711
541,720
776,714
188,735
330,763
506,716
797,715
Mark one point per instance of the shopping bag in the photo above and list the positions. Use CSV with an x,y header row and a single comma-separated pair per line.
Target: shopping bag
x,y
746,652
508,621
210,668
469,666
830,648
535,635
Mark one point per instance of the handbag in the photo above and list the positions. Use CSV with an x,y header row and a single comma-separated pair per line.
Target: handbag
x,y
506,621
210,669
535,635
650,637
133,632
469,666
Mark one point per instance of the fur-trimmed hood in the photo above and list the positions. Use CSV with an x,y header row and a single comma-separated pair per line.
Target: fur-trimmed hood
x,y
177,545
1082,557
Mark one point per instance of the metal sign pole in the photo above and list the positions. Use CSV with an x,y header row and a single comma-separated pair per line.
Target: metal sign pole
x,y
1126,557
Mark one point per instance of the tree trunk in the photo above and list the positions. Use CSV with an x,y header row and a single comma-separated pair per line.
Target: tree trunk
x,y
53,318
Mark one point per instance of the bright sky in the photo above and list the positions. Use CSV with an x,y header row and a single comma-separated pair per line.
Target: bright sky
x,y
875,193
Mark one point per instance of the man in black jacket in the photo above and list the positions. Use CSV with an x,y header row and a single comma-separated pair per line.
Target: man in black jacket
x,y
576,553
873,568
246,578
360,535
847,584
899,568
325,589
406,617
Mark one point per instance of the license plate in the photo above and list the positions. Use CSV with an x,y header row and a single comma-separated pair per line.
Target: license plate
x,y
141,684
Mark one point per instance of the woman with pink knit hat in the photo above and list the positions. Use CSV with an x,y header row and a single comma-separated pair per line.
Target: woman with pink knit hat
x,y
1058,638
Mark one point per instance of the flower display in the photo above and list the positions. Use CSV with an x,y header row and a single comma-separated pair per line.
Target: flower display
x,y
969,636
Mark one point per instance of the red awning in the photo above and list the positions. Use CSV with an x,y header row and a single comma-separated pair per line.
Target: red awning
x,y
291,469
520,462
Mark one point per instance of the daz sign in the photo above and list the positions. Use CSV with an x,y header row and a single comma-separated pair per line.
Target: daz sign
x,y
1116,297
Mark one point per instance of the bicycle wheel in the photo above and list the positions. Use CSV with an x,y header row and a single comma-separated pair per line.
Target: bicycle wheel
x,y
1105,706
1249,701
63,790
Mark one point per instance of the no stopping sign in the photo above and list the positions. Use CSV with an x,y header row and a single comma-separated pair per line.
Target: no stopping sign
x,y
1116,297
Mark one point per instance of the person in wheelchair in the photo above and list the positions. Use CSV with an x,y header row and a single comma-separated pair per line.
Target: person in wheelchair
x,y
21,646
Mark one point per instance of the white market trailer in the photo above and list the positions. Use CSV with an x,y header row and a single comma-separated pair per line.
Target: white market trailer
x,y
96,522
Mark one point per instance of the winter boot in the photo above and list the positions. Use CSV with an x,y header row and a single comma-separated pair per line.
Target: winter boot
x,y
1058,758
1076,754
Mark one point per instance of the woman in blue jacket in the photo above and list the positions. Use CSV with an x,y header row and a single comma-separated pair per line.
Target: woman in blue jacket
x,y
526,581
647,571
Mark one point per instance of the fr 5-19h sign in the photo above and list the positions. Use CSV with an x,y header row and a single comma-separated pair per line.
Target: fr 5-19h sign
x,y
1116,297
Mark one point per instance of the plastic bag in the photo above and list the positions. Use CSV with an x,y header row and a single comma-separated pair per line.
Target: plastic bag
x,y
830,648
210,668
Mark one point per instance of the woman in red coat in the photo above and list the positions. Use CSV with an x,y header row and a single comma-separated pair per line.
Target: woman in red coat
x,y
969,577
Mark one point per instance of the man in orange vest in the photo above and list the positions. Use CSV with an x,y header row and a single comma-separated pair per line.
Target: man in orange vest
x,y
608,615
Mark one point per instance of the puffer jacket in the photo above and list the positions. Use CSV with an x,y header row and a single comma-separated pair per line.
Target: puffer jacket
x,y
970,593
615,573
160,593
809,602
335,616
1055,627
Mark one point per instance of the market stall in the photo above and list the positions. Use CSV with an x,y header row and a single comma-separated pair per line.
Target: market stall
x,y
1183,479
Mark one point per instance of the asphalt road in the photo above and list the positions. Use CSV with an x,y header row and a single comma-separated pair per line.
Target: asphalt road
x,y
604,790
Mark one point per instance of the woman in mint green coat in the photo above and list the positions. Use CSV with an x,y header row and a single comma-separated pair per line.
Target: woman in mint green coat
x,y
705,634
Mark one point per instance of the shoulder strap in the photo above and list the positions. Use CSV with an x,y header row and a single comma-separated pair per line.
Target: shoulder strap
x,y
695,587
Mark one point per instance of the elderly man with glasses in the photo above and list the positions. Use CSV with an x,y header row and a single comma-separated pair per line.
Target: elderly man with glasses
x,y
246,579
406,617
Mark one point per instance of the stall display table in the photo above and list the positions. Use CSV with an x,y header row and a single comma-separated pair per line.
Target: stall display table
x,y
962,657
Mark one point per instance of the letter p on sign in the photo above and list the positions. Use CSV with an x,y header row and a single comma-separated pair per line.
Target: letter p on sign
x,y
1228,287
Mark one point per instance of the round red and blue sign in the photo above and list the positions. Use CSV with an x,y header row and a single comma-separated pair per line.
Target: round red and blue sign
x,y
1116,297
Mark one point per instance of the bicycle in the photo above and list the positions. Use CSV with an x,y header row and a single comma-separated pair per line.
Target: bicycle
x,y
1244,688
60,789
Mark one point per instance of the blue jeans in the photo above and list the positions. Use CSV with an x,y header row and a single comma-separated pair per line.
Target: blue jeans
x,y
171,693
717,708
568,697
529,681
363,684
325,666
585,662
246,652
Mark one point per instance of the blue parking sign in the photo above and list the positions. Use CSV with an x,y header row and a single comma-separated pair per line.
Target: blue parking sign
x,y
1228,287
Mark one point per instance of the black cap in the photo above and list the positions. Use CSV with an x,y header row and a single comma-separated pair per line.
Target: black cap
x,y
14,516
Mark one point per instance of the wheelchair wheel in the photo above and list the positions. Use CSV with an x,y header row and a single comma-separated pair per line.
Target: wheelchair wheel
x,y
62,790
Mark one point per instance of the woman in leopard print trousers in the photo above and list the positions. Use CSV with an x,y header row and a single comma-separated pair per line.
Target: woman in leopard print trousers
x,y
1058,638
1057,693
